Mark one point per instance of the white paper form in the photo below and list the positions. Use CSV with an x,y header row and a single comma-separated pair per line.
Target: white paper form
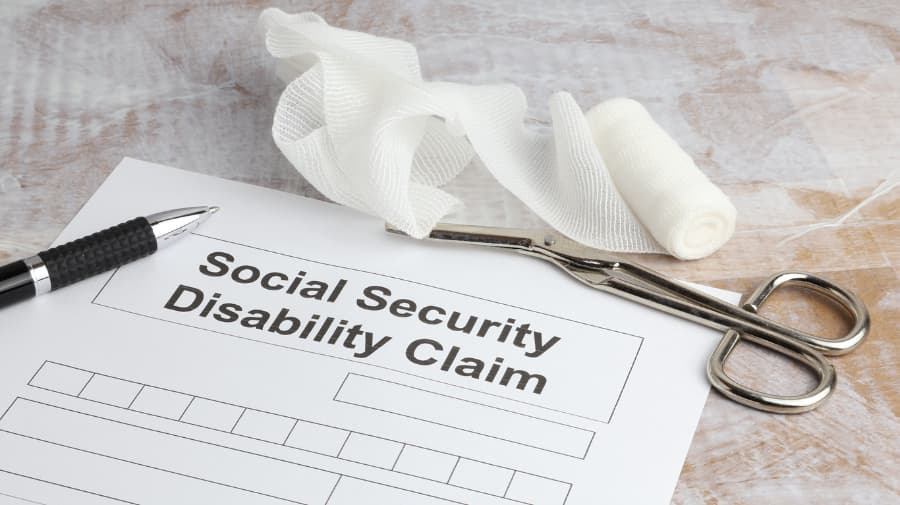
x,y
291,351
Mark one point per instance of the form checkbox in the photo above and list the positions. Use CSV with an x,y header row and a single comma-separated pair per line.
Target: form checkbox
x,y
161,402
371,450
482,477
264,426
61,378
111,391
317,438
212,414
426,463
537,490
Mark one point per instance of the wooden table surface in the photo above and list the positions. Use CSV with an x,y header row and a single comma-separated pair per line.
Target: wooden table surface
x,y
792,107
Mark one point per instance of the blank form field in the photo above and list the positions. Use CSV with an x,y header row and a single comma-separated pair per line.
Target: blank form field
x,y
18,488
58,475
256,478
465,415
350,491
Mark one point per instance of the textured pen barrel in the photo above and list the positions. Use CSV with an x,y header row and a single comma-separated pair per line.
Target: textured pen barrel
x,y
99,252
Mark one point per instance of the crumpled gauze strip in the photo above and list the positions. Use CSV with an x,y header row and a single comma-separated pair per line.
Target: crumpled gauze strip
x,y
361,125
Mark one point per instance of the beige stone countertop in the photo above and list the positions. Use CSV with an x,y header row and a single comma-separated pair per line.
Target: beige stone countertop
x,y
792,107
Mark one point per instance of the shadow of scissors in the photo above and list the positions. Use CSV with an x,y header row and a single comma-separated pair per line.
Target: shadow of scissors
x,y
604,272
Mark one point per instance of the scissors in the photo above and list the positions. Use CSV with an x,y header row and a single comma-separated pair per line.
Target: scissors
x,y
604,272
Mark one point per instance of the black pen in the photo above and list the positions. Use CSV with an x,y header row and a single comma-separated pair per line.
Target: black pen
x,y
88,256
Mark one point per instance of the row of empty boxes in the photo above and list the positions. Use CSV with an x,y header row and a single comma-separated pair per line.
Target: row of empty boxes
x,y
301,434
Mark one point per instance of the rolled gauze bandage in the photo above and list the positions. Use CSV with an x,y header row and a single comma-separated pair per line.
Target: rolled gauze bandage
x,y
688,215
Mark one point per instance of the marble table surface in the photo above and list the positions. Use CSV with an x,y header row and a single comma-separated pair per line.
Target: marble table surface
x,y
792,107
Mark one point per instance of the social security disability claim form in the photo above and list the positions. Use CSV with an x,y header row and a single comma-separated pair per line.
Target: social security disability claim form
x,y
291,351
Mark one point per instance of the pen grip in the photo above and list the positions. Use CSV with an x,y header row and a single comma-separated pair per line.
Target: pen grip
x,y
99,252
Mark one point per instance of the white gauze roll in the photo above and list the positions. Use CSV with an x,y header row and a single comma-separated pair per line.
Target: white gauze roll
x,y
688,215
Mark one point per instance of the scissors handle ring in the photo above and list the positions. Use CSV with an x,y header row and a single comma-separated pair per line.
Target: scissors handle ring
x,y
805,348
854,307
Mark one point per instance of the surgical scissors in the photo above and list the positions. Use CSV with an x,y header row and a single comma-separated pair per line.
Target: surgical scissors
x,y
604,272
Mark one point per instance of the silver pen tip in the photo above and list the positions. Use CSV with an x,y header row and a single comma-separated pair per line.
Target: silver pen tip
x,y
173,223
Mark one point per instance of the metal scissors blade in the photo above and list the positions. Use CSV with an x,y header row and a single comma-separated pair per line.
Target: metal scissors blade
x,y
603,271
